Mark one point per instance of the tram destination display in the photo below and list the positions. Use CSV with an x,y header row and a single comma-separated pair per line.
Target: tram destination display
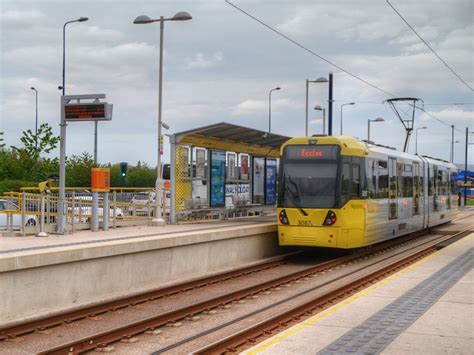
x,y
88,112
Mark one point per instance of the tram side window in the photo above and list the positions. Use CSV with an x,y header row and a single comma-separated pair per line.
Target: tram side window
x,y
444,180
383,179
407,177
372,178
355,179
452,183
401,182
346,188
440,182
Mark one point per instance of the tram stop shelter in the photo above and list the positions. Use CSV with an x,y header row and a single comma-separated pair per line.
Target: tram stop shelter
x,y
223,170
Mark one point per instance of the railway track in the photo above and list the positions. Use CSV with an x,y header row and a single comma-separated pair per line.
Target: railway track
x,y
128,331
43,323
339,289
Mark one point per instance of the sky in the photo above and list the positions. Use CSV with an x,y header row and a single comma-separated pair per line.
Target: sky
x,y
220,66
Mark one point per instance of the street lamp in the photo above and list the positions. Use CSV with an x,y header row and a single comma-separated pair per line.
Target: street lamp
x,y
61,229
318,80
378,119
416,139
342,106
143,19
452,150
36,124
270,108
319,108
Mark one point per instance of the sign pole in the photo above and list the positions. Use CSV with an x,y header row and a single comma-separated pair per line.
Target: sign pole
x,y
61,228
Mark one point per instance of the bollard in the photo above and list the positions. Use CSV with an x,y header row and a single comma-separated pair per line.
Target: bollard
x,y
95,212
114,204
42,233
23,215
73,208
106,212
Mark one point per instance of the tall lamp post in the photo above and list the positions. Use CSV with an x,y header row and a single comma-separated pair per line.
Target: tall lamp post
x,y
318,80
319,108
452,150
61,229
416,139
140,20
378,119
36,121
270,108
342,106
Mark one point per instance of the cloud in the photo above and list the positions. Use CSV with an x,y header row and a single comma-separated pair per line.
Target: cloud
x,y
251,106
200,60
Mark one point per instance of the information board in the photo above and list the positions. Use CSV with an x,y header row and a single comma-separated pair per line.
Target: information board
x,y
270,181
88,112
217,179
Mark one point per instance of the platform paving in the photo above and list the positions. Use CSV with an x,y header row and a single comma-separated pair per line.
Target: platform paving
x,y
85,237
427,308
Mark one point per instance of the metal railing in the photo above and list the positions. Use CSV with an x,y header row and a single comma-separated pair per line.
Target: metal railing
x,y
28,213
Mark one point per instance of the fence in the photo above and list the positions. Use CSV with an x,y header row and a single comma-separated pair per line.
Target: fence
x,y
29,213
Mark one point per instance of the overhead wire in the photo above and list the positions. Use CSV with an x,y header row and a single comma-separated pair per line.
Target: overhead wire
x,y
430,48
328,61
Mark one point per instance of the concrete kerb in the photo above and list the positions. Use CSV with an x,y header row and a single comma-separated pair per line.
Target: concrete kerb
x,y
72,276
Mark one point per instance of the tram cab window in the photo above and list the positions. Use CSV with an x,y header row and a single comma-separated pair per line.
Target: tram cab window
x,y
383,179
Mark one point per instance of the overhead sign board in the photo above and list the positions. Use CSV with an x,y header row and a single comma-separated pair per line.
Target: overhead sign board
x,y
88,112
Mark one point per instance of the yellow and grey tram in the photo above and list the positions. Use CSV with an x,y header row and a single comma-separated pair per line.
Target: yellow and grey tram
x,y
340,192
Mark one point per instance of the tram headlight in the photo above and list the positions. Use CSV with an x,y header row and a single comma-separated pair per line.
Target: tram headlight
x,y
330,219
283,218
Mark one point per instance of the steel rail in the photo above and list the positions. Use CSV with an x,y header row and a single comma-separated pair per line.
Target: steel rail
x,y
103,307
264,329
126,331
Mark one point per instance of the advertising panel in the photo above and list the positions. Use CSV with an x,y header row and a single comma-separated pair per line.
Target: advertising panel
x,y
217,178
230,165
270,181
258,180
244,167
200,163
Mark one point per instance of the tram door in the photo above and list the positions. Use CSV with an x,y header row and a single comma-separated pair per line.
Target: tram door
x,y
392,189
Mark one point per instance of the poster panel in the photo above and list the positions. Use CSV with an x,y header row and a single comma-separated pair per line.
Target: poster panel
x,y
230,165
217,178
270,181
258,180
244,167
200,163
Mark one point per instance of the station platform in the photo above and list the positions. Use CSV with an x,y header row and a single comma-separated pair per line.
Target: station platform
x,y
427,308
46,275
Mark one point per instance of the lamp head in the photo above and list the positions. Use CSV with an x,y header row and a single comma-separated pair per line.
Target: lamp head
x,y
318,108
32,88
351,103
378,119
321,79
182,16
165,125
142,19
82,19
277,88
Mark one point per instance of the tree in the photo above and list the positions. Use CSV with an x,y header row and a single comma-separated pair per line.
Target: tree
x,y
36,144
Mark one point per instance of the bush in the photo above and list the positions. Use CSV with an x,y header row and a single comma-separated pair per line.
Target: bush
x,y
15,185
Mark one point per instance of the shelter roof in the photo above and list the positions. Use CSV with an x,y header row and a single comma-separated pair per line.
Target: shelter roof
x,y
226,136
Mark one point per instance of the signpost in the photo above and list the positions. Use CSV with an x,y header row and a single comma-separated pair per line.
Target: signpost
x,y
78,108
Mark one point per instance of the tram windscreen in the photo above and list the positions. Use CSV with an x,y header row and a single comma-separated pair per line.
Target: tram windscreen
x,y
309,177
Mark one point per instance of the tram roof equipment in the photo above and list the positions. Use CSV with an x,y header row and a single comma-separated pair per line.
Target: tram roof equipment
x,y
407,121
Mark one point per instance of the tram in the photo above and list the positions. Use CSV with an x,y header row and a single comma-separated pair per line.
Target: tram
x,y
341,192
